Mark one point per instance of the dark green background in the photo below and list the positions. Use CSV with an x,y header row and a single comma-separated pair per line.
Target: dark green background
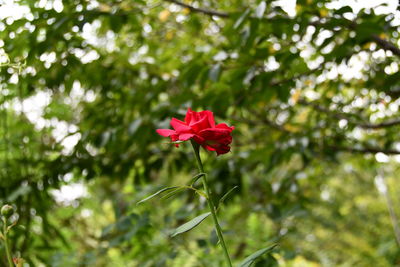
x,y
304,149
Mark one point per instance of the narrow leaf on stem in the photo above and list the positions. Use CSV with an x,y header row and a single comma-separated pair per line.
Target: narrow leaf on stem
x,y
173,192
191,224
197,177
250,259
226,195
157,193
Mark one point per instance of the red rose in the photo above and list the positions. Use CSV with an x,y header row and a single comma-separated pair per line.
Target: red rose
x,y
200,126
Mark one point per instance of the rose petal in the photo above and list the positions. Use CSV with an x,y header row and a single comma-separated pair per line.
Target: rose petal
x,y
225,141
174,138
165,132
220,149
210,117
185,136
209,148
179,126
224,126
194,117
214,133
189,115
223,149
198,139
200,125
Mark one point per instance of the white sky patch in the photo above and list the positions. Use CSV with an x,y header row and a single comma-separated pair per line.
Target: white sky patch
x,y
90,34
357,5
33,108
10,9
86,57
381,157
325,195
289,6
380,184
70,142
85,213
67,194
220,56
48,59
271,64
58,6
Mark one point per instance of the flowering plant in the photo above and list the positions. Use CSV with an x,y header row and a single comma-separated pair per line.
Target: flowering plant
x,y
201,130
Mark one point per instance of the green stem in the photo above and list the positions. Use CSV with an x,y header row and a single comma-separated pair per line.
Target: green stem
x,y
210,203
9,258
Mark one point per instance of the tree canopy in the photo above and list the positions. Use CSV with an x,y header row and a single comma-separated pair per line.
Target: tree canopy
x,y
313,93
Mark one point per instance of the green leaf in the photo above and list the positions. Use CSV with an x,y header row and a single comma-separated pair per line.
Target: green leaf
x,y
157,193
342,10
60,23
176,142
197,177
215,72
21,191
227,194
250,259
261,9
189,76
190,225
173,192
134,126
241,19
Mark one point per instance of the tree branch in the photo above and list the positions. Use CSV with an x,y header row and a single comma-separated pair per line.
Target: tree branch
x,y
297,76
366,150
386,45
348,117
354,150
383,124
200,10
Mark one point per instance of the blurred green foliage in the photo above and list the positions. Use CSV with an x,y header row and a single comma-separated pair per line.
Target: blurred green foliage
x,y
313,94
